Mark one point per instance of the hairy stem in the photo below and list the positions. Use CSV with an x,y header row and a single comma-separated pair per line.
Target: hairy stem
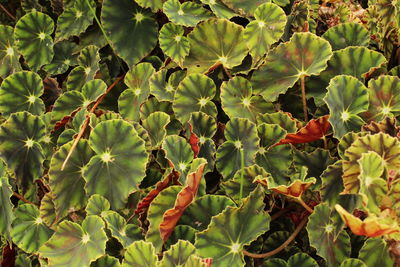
x,y
303,95
281,247
20,197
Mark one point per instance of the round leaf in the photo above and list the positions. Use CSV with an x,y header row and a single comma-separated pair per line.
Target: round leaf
x,y
33,35
347,34
237,100
110,172
125,16
304,55
67,185
215,41
186,14
178,254
29,231
71,239
244,7
173,43
20,148
347,97
8,53
232,229
140,254
155,124
125,233
96,205
266,29
20,92
194,93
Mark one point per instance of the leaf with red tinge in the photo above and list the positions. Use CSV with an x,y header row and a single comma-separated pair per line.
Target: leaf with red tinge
x,y
183,200
314,130
372,226
194,142
171,178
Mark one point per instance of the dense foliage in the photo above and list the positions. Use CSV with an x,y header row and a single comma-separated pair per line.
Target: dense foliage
x,y
199,133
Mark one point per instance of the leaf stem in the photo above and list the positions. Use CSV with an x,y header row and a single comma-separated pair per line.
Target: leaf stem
x,y
98,22
281,247
87,120
303,95
241,173
301,202
7,12
20,197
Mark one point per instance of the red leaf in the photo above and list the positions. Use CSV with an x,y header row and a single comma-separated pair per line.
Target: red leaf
x,y
194,141
314,130
8,256
183,200
64,120
208,262
171,178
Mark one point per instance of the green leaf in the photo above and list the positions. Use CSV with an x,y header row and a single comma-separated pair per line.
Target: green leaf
x,y
72,101
250,175
181,232
301,259
137,80
155,5
384,97
383,144
89,59
194,93
8,53
198,215
178,254
283,119
215,41
164,201
241,145
71,239
270,134
316,161
163,88
106,261
322,236
237,100
233,229
203,125
155,124
347,34
67,185
110,172
266,29
125,233
347,97
373,187
219,9
187,14
276,161
244,7
304,55
75,19
375,252
47,210
179,153
173,42
20,148
96,205
20,92
356,61
64,56
125,16
29,232
5,204
33,35
140,254
353,263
